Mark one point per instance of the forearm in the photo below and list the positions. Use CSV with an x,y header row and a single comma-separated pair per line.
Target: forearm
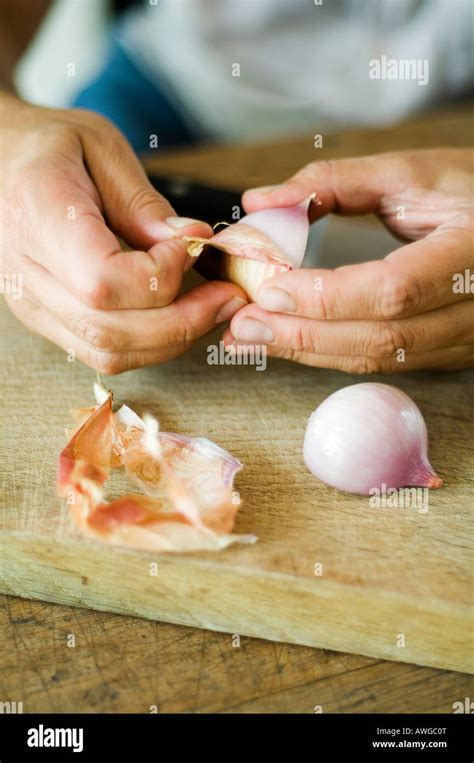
x,y
19,20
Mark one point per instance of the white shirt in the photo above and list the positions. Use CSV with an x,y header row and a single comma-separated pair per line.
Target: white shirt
x,y
244,69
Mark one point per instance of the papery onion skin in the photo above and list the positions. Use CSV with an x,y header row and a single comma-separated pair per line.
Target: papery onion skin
x,y
189,502
366,436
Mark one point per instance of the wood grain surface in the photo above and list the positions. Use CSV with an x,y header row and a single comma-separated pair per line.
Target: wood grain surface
x,y
126,664
384,575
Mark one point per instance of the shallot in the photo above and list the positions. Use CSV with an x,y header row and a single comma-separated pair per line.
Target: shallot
x,y
368,435
260,245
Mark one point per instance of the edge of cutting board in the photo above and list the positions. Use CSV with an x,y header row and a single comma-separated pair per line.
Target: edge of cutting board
x,y
272,606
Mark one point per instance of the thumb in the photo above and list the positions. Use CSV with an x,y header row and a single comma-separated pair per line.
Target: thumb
x,y
134,210
345,186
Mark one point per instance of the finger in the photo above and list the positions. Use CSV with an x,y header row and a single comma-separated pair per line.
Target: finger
x,y
349,186
103,359
411,184
133,208
415,278
64,230
445,327
449,359
157,330
59,213
108,362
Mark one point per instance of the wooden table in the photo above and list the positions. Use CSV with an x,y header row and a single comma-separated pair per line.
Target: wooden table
x,y
126,664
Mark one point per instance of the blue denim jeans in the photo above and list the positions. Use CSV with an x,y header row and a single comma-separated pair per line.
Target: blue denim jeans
x,y
136,105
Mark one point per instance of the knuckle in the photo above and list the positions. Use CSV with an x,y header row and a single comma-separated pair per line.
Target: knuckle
x,y
97,295
313,172
188,333
325,307
141,198
100,130
95,121
183,333
168,282
94,334
48,141
64,134
114,143
108,363
324,166
386,340
364,366
400,295
304,337
286,353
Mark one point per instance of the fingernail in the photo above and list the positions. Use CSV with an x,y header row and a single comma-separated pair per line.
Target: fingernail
x,y
181,222
266,188
252,330
276,300
230,308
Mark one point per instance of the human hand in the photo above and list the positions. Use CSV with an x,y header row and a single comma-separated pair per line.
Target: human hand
x,y
69,185
415,308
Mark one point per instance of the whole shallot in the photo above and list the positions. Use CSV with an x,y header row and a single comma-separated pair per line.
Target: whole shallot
x,y
368,435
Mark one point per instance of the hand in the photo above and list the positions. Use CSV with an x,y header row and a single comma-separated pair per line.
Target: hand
x,y
415,308
69,184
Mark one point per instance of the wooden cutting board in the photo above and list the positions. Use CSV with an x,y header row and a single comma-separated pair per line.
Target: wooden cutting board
x,y
395,583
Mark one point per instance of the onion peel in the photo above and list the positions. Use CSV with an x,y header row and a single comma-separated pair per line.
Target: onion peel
x,y
189,502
